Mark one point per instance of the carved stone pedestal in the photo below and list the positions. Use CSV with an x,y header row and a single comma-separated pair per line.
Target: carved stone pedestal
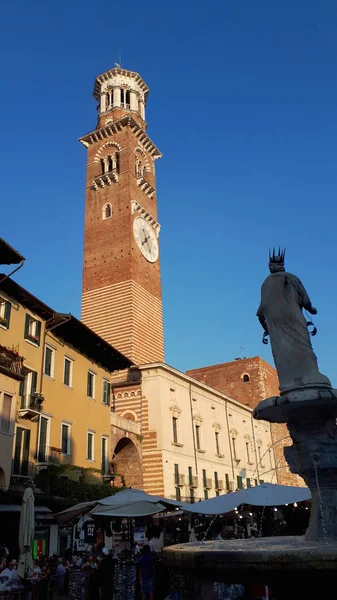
x,y
310,415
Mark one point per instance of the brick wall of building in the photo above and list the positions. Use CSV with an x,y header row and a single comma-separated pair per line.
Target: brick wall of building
x,y
249,381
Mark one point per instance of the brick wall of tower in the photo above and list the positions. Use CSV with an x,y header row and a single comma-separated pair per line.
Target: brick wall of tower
x,y
263,383
121,296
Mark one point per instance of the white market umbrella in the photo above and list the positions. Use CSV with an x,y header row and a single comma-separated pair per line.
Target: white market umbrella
x,y
136,509
121,503
26,534
265,494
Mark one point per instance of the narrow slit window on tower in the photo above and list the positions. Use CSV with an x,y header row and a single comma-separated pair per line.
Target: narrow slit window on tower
x,y
107,211
110,163
246,378
117,162
102,165
122,97
127,98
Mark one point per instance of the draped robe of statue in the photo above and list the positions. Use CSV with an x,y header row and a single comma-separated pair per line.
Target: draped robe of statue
x,y
282,298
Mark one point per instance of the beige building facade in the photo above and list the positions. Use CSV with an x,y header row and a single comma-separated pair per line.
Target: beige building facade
x,y
196,441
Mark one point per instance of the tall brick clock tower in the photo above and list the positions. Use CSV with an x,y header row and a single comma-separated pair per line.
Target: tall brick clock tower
x,y
121,294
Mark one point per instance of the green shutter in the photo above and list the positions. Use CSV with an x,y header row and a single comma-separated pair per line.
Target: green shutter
x,y
43,439
7,313
34,382
17,451
38,332
89,384
27,326
22,393
25,452
108,393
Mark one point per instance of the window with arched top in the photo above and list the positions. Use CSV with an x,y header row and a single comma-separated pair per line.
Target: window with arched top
x,y
246,378
106,211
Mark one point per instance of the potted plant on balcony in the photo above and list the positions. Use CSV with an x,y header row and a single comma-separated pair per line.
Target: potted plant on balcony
x,y
38,397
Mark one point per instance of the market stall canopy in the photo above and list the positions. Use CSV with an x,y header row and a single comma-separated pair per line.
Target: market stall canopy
x,y
135,509
128,503
265,494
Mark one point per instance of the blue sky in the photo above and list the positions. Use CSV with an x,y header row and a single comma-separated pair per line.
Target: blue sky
x,y
242,105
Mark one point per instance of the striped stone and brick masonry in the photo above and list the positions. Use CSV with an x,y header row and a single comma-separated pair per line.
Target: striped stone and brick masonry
x,y
130,403
128,317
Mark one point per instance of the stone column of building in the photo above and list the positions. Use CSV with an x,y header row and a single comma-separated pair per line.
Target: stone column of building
x,y
121,293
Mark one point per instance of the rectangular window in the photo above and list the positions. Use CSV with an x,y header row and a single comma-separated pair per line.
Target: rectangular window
x,y
5,312
227,482
216,480
248,452
234,449
32,329
217,442
204,478
239,482
198,437
21,452
27,390
217,493
176,473
90,445
192,495
206,494
68,372
91,384
248,482
104,454
6,413
65,438
178,493
49,362
106,392
256,482
42,454
190,475
175,429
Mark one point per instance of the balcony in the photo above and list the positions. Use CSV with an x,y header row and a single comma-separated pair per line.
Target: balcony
x,y
125,425
50,455
11,363
179,480
31,405
219,485
193,482
22,469
208,483
104,179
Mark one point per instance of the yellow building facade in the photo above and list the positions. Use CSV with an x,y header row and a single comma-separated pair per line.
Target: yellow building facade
x,y
59,408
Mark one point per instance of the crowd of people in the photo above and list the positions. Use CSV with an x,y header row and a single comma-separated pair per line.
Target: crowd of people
x,y
81,576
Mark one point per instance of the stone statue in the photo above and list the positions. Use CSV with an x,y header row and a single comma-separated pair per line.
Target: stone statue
x,y
283,297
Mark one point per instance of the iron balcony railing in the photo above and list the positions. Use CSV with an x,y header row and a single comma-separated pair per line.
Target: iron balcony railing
x,y
11,363
23,468
52,455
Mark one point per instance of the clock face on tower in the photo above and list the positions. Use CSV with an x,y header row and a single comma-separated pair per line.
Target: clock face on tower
x,y
146,239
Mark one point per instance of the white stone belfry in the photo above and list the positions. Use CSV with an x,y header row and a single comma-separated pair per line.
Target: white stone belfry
x,y
120,88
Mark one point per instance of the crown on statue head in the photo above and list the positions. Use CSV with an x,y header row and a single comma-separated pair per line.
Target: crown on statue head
x,y
277,259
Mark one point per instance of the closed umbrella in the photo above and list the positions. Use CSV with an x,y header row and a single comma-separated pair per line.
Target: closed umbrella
x,y
26,534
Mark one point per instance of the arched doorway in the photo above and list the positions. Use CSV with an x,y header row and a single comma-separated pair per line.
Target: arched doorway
x,y
126,462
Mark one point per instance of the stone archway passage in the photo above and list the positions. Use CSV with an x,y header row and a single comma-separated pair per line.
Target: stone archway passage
x,y
126,462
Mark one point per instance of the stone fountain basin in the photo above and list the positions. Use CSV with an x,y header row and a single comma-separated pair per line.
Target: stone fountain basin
x,y
252,560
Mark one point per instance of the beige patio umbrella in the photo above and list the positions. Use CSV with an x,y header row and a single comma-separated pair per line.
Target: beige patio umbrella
x,y
26,534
